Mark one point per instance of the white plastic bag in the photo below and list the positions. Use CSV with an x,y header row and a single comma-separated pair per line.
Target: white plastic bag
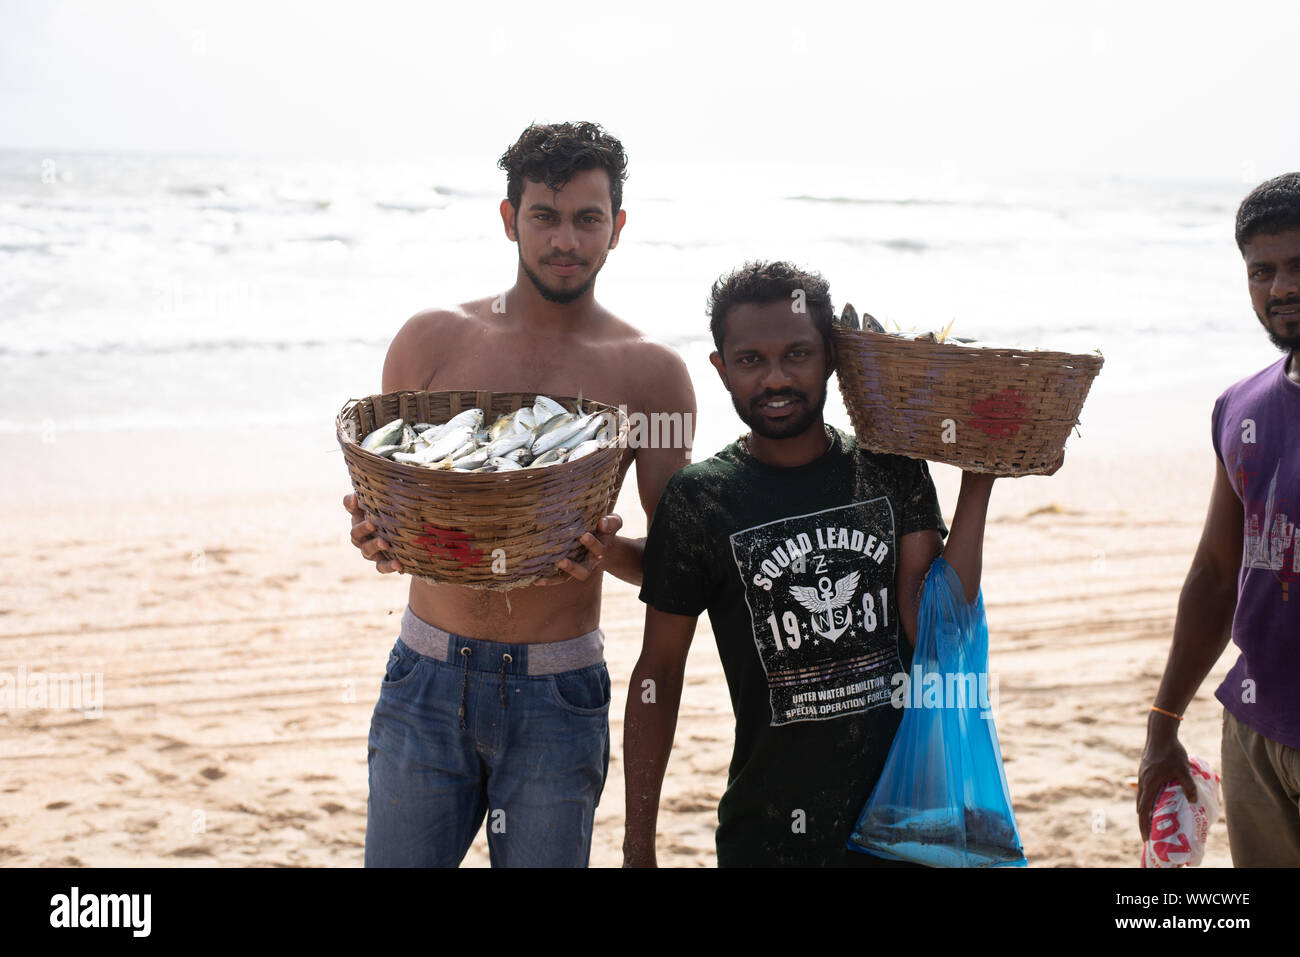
x,y
1179,827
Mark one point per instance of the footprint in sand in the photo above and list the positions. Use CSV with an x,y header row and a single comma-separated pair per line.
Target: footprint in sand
x,y
688,804
192,851
213,773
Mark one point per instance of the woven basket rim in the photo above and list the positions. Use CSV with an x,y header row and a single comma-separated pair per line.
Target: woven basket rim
x,y
957,348
620,417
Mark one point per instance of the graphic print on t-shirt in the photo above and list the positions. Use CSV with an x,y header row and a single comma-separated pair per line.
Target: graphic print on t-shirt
x,y
1270,532
818,588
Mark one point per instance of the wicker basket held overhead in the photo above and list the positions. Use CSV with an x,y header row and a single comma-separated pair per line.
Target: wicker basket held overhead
x,y
495,530
1001,411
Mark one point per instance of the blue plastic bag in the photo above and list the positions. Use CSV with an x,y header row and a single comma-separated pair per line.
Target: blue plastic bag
x,y
942,798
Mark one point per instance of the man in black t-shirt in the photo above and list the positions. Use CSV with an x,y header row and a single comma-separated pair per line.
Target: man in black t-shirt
x,y
808,554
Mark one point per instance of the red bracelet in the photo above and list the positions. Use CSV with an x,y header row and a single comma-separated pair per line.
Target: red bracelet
x,y
1170,713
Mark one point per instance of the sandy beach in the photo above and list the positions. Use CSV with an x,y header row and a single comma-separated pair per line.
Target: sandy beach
x,y
241,640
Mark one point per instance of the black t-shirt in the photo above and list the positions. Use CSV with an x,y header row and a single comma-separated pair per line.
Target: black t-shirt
x,y
797,570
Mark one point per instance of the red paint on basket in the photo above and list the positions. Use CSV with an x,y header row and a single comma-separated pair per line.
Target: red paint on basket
x,y
450,543
1000,414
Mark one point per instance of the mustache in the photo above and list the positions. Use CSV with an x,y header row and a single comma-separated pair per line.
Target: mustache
x,y
1288,301
782,394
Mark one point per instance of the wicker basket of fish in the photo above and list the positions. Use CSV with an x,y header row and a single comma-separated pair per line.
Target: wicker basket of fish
x,y
998,410
482,489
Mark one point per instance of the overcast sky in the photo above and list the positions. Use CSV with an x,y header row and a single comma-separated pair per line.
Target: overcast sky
x,y
1177,90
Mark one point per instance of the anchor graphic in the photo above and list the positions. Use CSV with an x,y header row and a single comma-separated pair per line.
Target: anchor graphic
x,y
826,603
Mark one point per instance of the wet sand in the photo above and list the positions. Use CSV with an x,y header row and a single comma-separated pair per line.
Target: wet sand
x,y
241,641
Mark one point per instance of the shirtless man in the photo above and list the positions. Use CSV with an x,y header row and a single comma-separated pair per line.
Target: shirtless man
x,y
496,708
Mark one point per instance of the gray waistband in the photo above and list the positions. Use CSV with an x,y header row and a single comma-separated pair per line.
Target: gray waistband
x,y
478,654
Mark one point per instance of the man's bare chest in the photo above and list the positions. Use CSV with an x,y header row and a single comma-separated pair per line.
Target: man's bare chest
x,y
495,366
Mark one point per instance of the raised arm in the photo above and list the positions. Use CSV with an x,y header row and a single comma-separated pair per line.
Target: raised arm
x,y
653,697
1202,630
964,550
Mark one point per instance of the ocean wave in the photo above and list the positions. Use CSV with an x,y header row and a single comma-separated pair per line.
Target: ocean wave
x,y
42,246
188,346
904,245
187,420
346,240
199,190
442,190
909,201
399,207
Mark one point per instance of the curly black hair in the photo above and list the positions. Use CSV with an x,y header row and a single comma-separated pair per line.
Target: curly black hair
x,y
1271,207
551,153
759,283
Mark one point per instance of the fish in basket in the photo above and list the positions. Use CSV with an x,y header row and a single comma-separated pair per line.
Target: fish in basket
x,y
483,489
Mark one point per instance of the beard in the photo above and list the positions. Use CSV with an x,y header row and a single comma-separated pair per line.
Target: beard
x,y
788,428
561,296
1283,343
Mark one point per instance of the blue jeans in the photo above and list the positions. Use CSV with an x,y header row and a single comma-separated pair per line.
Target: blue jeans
x,y
475,736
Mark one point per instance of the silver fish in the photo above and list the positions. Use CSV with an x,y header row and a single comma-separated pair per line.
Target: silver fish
x,y
557,421
525,420
569,434
584,449
544,408
509,443
553,457
384,435
473,418
471,459
870,324
849,318
504,425
504,465
448,443
596,422
561,433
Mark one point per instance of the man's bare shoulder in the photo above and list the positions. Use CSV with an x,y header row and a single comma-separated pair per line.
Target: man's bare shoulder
x,y
412,359
626,336
443,321
657,376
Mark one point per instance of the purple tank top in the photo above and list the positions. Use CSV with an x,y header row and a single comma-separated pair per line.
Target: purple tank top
x,y
1256,433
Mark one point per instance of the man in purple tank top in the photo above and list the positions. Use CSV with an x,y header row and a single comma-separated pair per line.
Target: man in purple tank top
x,y
1244,583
